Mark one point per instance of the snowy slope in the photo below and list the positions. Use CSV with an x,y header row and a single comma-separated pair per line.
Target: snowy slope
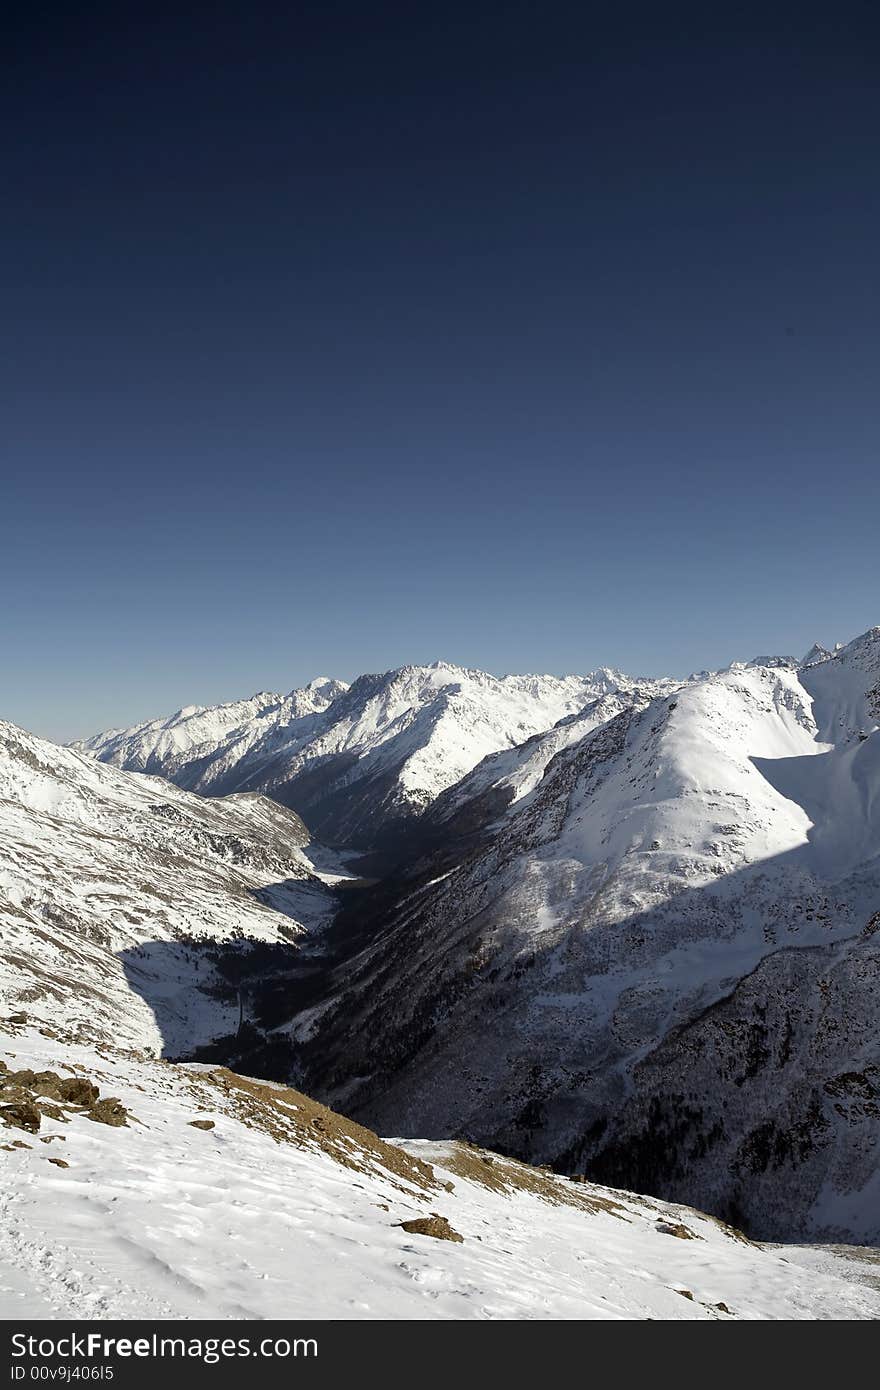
x,y
498,784
374,755
659,860
284,1210
112,885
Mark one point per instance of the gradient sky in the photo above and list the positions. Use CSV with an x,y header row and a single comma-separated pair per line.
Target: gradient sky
x,y
532,336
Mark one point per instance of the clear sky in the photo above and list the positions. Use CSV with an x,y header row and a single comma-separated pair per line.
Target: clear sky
x,y
532,336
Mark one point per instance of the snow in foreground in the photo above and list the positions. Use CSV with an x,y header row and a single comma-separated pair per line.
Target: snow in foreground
x,y
284,1210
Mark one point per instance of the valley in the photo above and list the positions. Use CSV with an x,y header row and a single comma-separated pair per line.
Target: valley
x,y
625,930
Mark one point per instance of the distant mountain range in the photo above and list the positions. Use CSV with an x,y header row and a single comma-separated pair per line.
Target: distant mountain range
x,y
356,761
626,927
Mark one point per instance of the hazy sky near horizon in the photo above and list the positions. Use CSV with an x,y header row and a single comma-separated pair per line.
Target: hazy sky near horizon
x,y
529,336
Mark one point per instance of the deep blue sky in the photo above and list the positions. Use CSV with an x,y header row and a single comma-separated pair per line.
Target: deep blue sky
x,y
533,336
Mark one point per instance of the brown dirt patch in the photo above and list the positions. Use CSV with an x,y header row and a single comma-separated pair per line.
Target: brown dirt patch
x,y
293,1118
675,1228
501,1174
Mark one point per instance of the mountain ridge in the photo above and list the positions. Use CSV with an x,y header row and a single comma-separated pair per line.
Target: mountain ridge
x,y
658,862
593,887
368,758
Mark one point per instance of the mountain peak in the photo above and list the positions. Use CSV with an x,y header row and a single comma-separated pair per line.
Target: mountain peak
x,y
863,651
816,654
350,757
323,683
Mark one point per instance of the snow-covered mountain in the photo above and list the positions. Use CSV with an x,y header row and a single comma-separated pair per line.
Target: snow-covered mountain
x,y
121,898
679,855
112,886
160,746
497,785
356,761
634,935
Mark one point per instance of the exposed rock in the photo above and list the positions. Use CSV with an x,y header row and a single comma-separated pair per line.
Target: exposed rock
x,y
287,1115
76,1090
59,1162
50,1110
22,1115
202,1124
675,1228
12,1093
108,1112
433,1225
48,1084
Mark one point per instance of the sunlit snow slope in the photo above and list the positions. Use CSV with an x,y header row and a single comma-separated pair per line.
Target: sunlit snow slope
x,y
278,1208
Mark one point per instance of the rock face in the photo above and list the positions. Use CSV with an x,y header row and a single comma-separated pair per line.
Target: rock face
x,y
698,859
78,1090
21,1114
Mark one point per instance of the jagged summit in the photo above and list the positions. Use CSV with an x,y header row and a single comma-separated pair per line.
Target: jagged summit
x,y
816,654
865,642
356,760
771,661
